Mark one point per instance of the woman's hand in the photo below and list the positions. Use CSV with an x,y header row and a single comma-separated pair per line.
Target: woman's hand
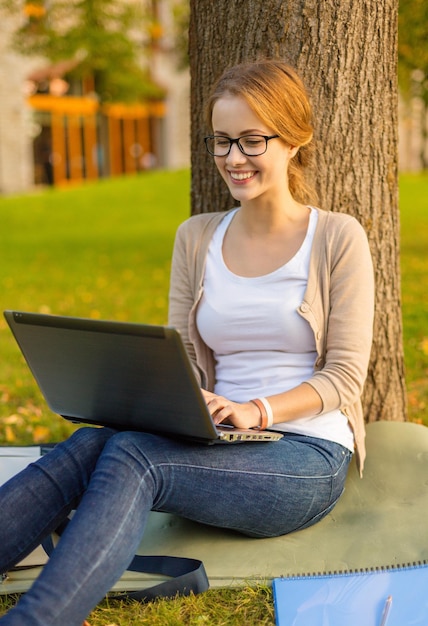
x,y
240,415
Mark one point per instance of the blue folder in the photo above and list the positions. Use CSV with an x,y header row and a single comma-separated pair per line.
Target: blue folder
x,y
354,598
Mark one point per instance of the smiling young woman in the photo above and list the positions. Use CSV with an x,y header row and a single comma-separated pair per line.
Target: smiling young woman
x,y
278,98
274,301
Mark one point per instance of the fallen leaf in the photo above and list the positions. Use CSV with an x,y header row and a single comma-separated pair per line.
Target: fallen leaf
x,y
41,434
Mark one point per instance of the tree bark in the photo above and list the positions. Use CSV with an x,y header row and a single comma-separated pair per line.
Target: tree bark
x,y
346,53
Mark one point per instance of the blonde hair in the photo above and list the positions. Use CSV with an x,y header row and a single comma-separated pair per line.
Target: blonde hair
x,y
278,97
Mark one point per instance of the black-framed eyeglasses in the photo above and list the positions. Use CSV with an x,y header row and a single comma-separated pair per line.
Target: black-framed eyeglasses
x,y
250,145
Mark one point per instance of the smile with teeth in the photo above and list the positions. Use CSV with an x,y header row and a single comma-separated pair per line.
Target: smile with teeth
x,y
241,175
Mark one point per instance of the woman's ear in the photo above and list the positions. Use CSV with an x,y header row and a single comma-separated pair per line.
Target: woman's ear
x,y
294,150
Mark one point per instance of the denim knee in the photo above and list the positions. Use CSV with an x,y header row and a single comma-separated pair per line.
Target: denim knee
x,y
91,436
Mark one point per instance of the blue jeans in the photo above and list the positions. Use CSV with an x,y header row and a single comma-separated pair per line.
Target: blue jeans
x,y
113,480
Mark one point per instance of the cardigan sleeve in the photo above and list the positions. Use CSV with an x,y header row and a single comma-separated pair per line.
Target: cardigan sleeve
x,y
342,315
181,291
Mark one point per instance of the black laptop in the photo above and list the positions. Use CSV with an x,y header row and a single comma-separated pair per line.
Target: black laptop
x,y
126,376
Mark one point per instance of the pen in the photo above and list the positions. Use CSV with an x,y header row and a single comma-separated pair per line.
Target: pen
x,y
386,610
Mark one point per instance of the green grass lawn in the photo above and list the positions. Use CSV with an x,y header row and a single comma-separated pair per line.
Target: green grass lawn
x,y
100,251
414,270
103,251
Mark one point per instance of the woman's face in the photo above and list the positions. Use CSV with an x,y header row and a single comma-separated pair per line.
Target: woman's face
x,y
250,178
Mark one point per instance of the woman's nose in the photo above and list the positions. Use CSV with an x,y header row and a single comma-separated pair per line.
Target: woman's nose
x,y
235,155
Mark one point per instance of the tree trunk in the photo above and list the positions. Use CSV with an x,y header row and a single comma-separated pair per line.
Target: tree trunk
x,y
346,53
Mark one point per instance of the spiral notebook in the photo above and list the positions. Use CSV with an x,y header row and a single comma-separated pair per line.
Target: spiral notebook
x,y
395,596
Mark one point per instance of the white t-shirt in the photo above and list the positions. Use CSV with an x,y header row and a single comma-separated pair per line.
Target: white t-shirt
x,y
261,345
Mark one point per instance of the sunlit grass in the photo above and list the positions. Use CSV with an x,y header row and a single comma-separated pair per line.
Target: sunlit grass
x,y
102,251
250,606
414,264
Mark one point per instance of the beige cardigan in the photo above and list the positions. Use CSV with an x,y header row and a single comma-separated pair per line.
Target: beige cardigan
x,y
338,305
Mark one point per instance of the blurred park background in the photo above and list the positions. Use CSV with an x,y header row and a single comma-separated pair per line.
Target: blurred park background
x,y
91,89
